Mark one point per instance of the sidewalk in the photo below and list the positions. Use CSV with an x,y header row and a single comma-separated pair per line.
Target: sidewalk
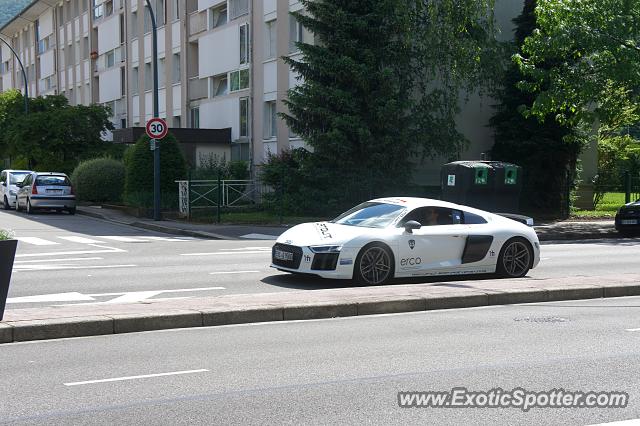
x,y
82,320
561,230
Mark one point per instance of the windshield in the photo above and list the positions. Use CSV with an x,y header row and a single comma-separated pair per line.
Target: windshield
x,y
370,215
52,181
15,178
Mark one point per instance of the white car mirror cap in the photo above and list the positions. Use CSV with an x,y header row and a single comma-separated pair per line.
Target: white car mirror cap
x,y
411,225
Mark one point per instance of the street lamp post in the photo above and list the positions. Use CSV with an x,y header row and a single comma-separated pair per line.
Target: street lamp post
x,y
24,76
156,151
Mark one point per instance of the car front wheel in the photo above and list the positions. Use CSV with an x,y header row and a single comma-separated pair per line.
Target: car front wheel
x,y
6,203
374,265
516,258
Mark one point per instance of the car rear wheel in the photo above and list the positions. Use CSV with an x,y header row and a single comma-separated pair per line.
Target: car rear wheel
x,y
516,258
374,265
72,210
6,203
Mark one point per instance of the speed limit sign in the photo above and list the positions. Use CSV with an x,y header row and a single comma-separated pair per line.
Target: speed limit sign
x,y
157,128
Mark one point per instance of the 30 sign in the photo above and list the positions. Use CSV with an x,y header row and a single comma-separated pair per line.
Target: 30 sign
x,y
157,128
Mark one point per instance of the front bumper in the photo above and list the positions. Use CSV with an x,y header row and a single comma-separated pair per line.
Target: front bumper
x,y
335,265
50,202
625,222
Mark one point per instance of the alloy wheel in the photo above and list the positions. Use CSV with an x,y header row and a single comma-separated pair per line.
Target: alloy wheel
x,y
375,265
516,259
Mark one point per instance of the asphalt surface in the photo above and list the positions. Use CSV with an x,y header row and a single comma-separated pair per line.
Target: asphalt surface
x,y
337,371
66,259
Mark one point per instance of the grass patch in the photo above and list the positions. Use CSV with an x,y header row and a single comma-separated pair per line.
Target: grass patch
x,y
607,208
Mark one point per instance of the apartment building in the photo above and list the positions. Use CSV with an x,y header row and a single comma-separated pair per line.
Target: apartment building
x,y
222,79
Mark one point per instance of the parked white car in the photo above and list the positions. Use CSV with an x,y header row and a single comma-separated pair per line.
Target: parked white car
x,y
8,186
395,237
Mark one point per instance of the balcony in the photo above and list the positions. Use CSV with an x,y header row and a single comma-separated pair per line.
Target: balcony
x,y
197,23
198,88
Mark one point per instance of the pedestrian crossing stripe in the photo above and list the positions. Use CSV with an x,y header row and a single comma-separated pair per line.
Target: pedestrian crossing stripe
x,y
37,241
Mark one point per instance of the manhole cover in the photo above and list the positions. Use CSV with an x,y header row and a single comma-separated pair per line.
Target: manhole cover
x,y
542,319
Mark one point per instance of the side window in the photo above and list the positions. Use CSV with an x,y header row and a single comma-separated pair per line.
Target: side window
x,y
473,219
430,216
27,180
3,177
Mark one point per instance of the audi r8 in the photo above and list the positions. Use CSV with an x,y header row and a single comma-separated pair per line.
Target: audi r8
x,y
396,237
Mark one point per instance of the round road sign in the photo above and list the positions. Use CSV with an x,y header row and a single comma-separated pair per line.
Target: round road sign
x,y
157,128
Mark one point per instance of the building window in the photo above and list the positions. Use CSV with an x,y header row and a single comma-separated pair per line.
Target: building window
x,y
219,85
175,9
244,117
148,77
134,81
244,44
270,43
123,85
238,8
158,11
218,16
110,59
239,80
177,121
175,72
195,118
98,11
161,68
270,120
123,123
296,34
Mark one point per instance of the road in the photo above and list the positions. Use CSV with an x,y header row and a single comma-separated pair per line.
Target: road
x,y
336,371
66,259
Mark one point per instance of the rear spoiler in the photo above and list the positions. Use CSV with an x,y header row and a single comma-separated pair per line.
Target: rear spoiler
x,y
518,218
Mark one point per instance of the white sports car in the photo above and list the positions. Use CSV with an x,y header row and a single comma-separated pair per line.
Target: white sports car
x,y
408,237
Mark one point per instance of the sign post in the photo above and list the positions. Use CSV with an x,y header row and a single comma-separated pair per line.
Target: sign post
x,y
156,129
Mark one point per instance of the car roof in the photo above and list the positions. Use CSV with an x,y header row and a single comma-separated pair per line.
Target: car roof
x,y
413,202
17,171
50,174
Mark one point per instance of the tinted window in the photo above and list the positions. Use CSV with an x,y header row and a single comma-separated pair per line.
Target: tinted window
x,y
371,215
473,219
52,181
3,177
430,216
15,178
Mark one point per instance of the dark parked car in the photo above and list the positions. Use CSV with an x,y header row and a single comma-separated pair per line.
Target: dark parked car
x,y
628,218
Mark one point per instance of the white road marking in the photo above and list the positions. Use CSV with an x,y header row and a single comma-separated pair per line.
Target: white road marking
x,y
122,239
36,241
632,329
248,248
232,272
630,422
146,376
60,297
259,237
58,260
178,290
133,297
66,253
81,240
225,252
178,239
30,268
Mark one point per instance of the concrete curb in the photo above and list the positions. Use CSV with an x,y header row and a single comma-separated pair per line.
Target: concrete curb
x,y
332,305
158,228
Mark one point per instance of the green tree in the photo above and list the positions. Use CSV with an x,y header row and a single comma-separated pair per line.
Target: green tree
x,y
139,172
598,42
381,83
547,150
54,135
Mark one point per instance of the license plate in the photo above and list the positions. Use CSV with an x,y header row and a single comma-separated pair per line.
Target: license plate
x,y
283,255
54,191
629,222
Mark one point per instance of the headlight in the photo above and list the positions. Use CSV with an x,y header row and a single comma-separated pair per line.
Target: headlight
x,y
325,249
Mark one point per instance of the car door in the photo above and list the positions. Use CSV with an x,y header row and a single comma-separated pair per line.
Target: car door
x,y
4,185
435,248
23,192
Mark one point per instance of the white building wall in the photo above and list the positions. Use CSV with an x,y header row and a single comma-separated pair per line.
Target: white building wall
x,y
219,52
47,64
45,22
108,34
219,114
109,87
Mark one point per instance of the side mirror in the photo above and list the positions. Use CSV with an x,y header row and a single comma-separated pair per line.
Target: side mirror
x,y
4,184
411,225
19,184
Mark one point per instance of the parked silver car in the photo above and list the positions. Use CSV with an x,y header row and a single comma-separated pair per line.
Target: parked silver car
x,y
9,179
46,191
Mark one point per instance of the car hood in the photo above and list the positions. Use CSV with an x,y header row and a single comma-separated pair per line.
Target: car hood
x,y
631,205
320,233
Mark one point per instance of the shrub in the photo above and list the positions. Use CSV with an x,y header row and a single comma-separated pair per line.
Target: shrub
x,y
139,170
5,235
99,180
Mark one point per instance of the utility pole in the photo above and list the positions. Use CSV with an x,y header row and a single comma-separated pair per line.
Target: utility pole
x,y
156,108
